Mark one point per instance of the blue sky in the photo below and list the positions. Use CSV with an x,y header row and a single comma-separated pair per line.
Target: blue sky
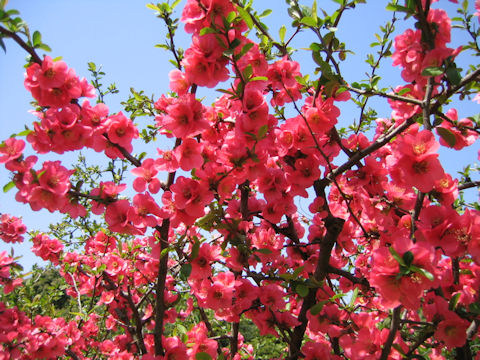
x,y
120,36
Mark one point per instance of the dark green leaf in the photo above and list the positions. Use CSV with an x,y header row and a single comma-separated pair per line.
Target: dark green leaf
x,y
315,309
264,251
202,356
408,258
453,75
195,250
475,308
301,290
447,136
185,271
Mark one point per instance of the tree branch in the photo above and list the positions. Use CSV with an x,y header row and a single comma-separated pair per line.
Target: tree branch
x,y
22,44
391,335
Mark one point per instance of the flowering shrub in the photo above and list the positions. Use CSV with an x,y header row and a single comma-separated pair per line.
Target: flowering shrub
x,y
189,244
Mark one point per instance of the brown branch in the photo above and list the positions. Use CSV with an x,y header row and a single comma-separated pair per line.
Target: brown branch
x,y
469,185
125,153
160,305
395,97
334,227
391,335
264,31
355,280
362,153
442,97
22,44
138,321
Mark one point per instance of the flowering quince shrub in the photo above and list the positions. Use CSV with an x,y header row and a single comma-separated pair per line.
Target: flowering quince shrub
x,y
205,236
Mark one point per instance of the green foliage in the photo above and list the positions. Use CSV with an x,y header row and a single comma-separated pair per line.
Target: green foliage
x,y
42,293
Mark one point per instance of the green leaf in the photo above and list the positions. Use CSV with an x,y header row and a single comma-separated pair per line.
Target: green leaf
x,y
165,252
230,17
37,39
282,32
207,30
404,91
265,13
423,272
454,301
447,136
432,71
234,43
245,16
301,290
185,271
396,255
315,309
153,7
453,75
202,356
354,297
44,47
264,251
247,72
474,308
309,21
175,3
195,250
297,271
262,132
259,78
8,186
408,258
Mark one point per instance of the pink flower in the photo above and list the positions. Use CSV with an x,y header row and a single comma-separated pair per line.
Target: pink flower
x,y
11,149
184,117
11,229
47,248
452,330
121,131
189,154
146,174
178,82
